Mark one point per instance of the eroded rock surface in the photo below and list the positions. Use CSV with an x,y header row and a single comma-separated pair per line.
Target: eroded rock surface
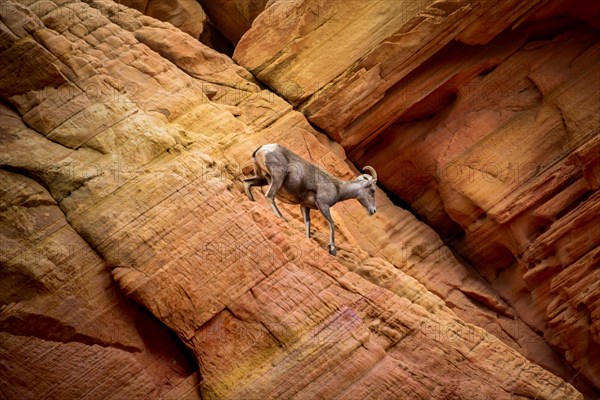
x,y
186,15
138,140
234,18
64,319
483,117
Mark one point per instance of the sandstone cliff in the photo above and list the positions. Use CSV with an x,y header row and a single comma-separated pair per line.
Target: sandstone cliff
x,y
186,15
128,245
483,118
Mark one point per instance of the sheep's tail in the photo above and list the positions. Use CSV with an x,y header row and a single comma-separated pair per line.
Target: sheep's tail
x,y
254,154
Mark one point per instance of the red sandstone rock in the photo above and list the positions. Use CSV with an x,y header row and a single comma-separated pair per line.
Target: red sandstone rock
x,y
146,169
186,15
67,331
484,119
234,18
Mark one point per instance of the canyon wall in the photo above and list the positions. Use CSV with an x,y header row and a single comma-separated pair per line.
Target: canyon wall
x,y
481,117
233,17
187,15
134,266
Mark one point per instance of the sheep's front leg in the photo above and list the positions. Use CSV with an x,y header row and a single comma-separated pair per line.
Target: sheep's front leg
x,y
276,183
306,215
325,211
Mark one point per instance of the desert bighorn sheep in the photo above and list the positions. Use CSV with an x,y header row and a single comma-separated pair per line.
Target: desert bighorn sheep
x,y
294,180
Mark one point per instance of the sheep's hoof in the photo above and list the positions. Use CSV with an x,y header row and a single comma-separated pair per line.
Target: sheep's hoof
x,y
333,252
248,192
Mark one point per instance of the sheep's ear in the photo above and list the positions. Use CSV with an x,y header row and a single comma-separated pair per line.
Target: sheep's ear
x,y
370,182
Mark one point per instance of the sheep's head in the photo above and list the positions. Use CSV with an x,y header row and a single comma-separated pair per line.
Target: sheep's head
x,y
366,195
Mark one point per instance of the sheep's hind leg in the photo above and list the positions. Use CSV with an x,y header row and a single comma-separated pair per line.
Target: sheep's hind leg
x,y
306,215
250,182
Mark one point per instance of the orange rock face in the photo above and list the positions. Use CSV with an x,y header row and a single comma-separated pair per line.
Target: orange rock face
x,y
186,15
64,319
233,18
483,118
125,140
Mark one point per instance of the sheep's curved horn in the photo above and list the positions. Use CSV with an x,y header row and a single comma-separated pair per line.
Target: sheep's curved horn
x,y
371,171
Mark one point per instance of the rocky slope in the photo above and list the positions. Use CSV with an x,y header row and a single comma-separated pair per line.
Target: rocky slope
x,y
186,15
483,118
123,144
234,17
189,16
